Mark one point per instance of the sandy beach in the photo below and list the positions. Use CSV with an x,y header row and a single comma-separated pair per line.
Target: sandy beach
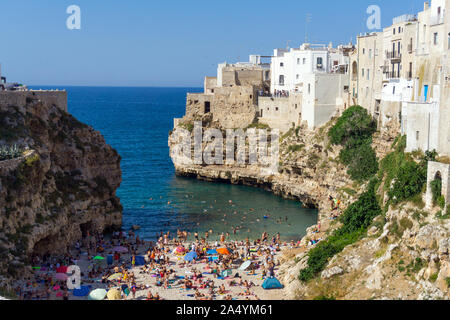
x,y
164,272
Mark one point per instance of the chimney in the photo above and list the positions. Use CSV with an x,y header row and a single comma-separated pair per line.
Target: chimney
x,y
426,5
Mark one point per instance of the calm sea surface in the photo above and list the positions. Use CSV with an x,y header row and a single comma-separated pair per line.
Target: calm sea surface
x,y
136,122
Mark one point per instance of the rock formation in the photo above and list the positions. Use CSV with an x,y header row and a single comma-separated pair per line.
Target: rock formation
x,y
62,187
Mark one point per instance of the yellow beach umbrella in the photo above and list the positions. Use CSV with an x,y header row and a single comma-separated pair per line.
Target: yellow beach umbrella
x,y
115,276
113,294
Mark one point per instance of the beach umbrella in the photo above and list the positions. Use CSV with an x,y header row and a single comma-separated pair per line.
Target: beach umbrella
x,y
120,249
179,250
82,292
245,265
190,256
113,294
61,276
212,252
115,276
97,294
223,251
62,269
99,258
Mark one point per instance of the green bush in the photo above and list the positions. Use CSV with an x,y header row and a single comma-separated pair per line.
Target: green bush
x,y
355,220
354,125
436,190
295,148
409,181
353,131
361,161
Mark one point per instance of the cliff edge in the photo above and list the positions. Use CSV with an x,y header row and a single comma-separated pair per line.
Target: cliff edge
x,y
62,186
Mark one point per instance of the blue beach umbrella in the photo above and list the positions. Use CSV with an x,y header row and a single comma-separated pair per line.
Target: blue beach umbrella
x,y
82,292
190,256
212,252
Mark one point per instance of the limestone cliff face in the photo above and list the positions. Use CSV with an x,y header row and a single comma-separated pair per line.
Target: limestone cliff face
x,y
405,254
61,188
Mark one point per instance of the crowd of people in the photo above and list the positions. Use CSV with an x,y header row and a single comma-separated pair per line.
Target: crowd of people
x,y
214,272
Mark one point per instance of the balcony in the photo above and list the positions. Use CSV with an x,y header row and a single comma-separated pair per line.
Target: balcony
x,y
438,19
392,75
393,55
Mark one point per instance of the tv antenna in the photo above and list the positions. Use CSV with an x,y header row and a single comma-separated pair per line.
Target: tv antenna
x,y
307,21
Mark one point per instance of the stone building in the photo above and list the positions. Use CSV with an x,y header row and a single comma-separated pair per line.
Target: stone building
x,y
230,99
366,72
426,115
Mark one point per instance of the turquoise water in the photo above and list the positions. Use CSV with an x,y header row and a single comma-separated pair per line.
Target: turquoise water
x,y
136,122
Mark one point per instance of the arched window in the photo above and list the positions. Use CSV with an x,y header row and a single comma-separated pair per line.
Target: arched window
x,y
281,80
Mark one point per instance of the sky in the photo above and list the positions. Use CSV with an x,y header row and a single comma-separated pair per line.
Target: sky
x,y
166,43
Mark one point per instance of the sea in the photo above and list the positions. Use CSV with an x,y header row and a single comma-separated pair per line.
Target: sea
x,y
136,122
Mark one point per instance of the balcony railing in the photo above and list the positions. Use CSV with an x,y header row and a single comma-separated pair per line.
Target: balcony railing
x,y
392,75
393,55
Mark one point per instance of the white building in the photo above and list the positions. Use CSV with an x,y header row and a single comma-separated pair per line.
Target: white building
x,y
288,67
426,115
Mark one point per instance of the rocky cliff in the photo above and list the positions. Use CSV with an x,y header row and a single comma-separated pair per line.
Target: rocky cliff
x,y
405,254
62,187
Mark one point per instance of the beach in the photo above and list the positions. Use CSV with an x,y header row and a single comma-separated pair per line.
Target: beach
x,y
161,270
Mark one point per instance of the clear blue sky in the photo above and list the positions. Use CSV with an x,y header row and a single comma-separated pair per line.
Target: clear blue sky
x,y
165,42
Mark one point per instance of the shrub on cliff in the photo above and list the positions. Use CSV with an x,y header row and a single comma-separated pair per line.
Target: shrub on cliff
x,y
409,181
353,127
403,177
355,221
354,130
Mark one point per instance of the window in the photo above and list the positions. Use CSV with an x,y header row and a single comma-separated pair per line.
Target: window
x,y
368,74
364,50
319,63
435,38
417,135
399,29
362,72
448,41
370,53
281,64
207,107
393,31
298,76
309,88
281,80
298,60
276,109
367,92
393,90
304,60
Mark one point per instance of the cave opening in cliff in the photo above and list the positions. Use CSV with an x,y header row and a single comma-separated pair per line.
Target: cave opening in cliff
x,y
86,228
47,245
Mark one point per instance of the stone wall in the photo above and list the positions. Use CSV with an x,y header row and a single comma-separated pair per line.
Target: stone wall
x,y
281,113
22,98
444,170
421,124
234,107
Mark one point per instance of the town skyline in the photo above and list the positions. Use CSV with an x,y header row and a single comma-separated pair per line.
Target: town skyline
x,y
120,45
